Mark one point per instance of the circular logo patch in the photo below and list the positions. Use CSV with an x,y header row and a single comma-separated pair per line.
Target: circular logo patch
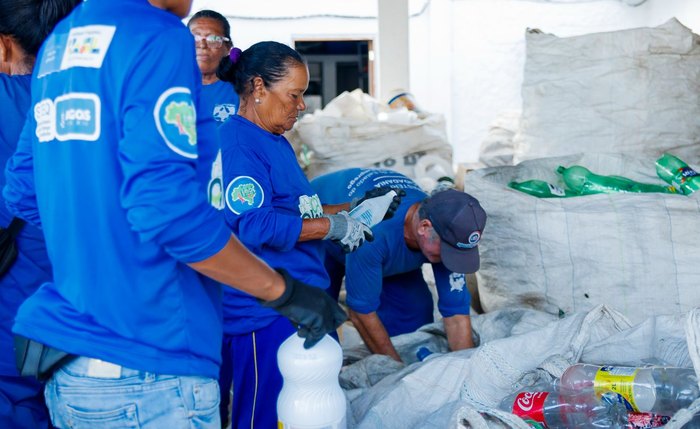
x,y
243,193
176,121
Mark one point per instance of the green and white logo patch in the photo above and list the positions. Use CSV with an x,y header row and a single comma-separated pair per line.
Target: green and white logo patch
x,y
176,120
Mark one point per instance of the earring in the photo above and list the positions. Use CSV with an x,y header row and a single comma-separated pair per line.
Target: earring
x,y
257,101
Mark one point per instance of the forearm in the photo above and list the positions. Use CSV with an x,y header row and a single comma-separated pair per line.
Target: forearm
x,y
314,229
374,334
459,332
236,267
335,208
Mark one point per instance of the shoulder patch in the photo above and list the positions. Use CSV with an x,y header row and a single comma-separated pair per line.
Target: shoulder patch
x,y
223,111
244,193
457,282
176,120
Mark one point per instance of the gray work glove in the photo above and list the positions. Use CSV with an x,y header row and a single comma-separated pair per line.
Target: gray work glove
x,y
347,232
309,308
378,192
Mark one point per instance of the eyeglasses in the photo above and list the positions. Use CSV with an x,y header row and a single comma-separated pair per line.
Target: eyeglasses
x,y
213,41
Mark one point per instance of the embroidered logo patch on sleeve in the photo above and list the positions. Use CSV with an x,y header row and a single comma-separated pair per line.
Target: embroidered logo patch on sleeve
x,y
176,120
243,193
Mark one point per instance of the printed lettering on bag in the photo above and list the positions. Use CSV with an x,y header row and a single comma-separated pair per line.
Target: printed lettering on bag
x,y
176,120
224,111
457,282
244,193
310,207
73,116
87,46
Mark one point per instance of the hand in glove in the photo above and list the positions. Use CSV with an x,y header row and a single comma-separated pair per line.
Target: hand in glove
x,y
311,309
347,232
378,192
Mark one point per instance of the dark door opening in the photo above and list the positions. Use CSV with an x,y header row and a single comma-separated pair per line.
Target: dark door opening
x,y
335,66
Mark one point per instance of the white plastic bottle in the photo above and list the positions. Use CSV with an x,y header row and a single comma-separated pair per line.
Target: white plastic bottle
x,y
661,390
371,211
311,397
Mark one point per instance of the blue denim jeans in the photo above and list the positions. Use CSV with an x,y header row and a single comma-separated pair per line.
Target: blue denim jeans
x,y
88,393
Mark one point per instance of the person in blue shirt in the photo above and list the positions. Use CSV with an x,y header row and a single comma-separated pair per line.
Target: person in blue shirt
x,y
112,163
212,38
272,208
24,25
386,292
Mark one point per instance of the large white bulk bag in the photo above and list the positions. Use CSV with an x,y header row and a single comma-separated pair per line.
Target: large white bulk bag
x,y
355,130
622,91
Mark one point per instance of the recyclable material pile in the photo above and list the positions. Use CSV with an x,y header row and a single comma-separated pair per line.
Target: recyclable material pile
x,y
590,369
581,181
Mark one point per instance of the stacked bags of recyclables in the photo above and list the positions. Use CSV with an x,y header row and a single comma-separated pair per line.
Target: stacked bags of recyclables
x,y
633,92
356,130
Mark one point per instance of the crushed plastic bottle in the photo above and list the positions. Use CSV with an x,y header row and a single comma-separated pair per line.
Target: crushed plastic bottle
x,y
541,189
660,390
677,173
554,410
583,182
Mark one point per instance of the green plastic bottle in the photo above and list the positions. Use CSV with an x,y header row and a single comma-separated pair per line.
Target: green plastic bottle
x,y
676,172
541,189
583,182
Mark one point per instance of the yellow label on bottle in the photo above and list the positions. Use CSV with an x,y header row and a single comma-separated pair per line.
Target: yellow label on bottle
x,y
619,380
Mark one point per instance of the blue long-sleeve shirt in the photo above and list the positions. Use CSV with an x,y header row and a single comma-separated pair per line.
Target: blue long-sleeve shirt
x,y
115,161
31,268
388,254
267,198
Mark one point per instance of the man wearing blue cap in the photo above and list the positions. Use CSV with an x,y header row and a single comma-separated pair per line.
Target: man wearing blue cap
x,y
386,292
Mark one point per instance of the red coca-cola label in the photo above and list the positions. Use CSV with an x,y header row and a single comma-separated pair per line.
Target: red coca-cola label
x,y
646,420
528,405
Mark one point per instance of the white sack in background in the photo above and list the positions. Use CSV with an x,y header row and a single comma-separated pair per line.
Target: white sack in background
x,y
636,253
623,91
498,148
356,130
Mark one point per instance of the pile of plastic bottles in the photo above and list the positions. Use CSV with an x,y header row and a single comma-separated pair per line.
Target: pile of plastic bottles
x,y
593,396
579,180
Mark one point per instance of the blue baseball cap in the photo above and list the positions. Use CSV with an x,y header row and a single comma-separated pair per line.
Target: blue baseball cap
x,y
459,220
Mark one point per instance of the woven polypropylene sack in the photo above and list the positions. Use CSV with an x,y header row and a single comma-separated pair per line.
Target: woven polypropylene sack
x,y
636,253
624,91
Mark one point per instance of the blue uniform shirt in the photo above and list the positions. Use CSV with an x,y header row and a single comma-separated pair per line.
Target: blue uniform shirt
x,y
388,255
220,101
115,160
31,268
267,196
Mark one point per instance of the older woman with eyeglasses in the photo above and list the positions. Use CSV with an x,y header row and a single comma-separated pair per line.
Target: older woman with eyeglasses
x,y
212,40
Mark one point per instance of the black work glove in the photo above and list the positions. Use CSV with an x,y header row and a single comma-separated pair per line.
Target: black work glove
x,y
311,309
378,192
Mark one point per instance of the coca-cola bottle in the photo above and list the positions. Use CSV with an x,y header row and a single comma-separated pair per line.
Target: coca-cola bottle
x,y
554,410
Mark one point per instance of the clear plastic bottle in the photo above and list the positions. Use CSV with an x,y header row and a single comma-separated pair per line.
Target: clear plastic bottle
x,y
553,410
311,397
677,173
541,189
583,182
661,390
371,211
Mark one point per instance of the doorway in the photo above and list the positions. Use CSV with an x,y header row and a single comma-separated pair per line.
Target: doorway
x,y
336,66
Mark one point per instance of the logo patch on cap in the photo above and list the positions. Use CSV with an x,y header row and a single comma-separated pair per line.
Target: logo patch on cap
x,y
472,241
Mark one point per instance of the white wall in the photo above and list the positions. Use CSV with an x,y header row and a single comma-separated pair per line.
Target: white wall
x,y
466,56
